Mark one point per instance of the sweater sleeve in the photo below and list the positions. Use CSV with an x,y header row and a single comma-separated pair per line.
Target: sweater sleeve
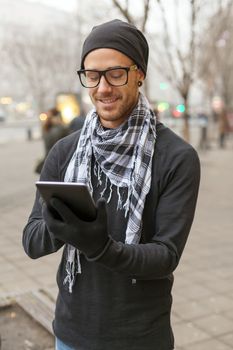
x,y
173,216
37,240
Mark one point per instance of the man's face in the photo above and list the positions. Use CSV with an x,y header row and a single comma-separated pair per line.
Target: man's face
x,y
113,104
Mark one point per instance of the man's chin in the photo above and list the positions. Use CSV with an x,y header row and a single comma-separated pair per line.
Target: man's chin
x,y
106,113
107,117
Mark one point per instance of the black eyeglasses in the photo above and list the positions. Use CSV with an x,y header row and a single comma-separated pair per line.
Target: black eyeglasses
x,y
117,76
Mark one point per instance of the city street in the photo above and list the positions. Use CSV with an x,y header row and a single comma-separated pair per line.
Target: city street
x,y
146,61
203,292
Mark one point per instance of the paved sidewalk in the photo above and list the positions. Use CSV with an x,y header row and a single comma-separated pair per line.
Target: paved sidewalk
x,y
203,290
18,273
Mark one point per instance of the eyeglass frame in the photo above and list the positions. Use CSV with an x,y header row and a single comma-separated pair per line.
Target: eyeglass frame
x,y
131,68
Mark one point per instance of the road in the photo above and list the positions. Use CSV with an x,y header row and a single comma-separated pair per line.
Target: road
x,y
19,130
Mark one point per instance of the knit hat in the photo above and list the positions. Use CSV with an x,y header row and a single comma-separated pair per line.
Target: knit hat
x,y
121,36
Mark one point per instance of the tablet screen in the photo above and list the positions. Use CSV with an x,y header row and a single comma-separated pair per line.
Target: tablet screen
x,y
76,196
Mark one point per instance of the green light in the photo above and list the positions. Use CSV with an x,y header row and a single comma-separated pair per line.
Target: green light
x,y
180,108
163,86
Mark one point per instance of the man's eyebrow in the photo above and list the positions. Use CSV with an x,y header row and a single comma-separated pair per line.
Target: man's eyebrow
x,y
112,67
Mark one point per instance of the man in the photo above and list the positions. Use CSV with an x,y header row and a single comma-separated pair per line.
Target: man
x,y
115,276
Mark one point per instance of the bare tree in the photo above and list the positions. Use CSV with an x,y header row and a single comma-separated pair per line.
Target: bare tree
x,y
216,62
179,65
126,13
179,51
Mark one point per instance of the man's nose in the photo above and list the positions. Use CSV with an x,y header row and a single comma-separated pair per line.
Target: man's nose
x,y
104,85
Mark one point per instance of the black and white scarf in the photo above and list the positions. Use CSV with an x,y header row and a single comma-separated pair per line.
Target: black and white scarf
x,y
124,155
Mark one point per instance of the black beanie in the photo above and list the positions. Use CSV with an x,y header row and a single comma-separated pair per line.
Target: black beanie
x,y
121,36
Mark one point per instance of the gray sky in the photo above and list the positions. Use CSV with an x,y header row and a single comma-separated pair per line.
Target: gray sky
x,y
61,4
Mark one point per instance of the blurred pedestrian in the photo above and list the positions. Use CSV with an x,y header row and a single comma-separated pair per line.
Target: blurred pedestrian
x,y
53,129
223,127
203,123
116,272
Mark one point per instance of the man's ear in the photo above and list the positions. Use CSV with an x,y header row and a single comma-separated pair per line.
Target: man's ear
x,y
141,75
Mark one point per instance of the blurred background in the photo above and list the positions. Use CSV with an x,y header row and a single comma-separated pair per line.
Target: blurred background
x,y
190,87
190,77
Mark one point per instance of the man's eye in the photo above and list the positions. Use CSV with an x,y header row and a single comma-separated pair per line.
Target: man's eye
x,y
92,76
116,74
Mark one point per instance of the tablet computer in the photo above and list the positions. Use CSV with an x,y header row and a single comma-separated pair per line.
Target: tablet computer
x,y
76,196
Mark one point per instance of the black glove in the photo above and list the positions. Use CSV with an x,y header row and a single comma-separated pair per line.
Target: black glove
x,y
90,237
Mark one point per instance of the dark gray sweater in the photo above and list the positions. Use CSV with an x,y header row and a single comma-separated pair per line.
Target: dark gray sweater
x,y
122,300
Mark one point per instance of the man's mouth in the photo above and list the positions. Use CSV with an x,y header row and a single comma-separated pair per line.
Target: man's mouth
x,y
108,101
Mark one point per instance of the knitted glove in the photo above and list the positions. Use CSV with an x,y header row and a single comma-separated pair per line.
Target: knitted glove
x,y
90,237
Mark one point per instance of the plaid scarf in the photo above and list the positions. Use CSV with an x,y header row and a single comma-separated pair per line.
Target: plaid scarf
x,y
124,155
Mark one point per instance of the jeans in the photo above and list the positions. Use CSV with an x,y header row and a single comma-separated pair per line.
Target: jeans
x,y
61,346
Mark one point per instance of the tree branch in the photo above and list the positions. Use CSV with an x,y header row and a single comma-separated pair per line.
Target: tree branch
x,y
146,13
124,11
166,40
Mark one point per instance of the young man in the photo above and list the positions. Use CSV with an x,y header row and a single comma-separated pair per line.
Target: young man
x,y
115,277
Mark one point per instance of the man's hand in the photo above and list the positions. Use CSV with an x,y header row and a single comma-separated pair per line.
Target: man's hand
x,y
90,237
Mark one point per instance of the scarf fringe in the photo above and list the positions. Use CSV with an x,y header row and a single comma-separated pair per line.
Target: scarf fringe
x,y
73,259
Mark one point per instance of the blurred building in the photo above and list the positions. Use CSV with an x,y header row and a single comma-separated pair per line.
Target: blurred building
x,y
35,53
